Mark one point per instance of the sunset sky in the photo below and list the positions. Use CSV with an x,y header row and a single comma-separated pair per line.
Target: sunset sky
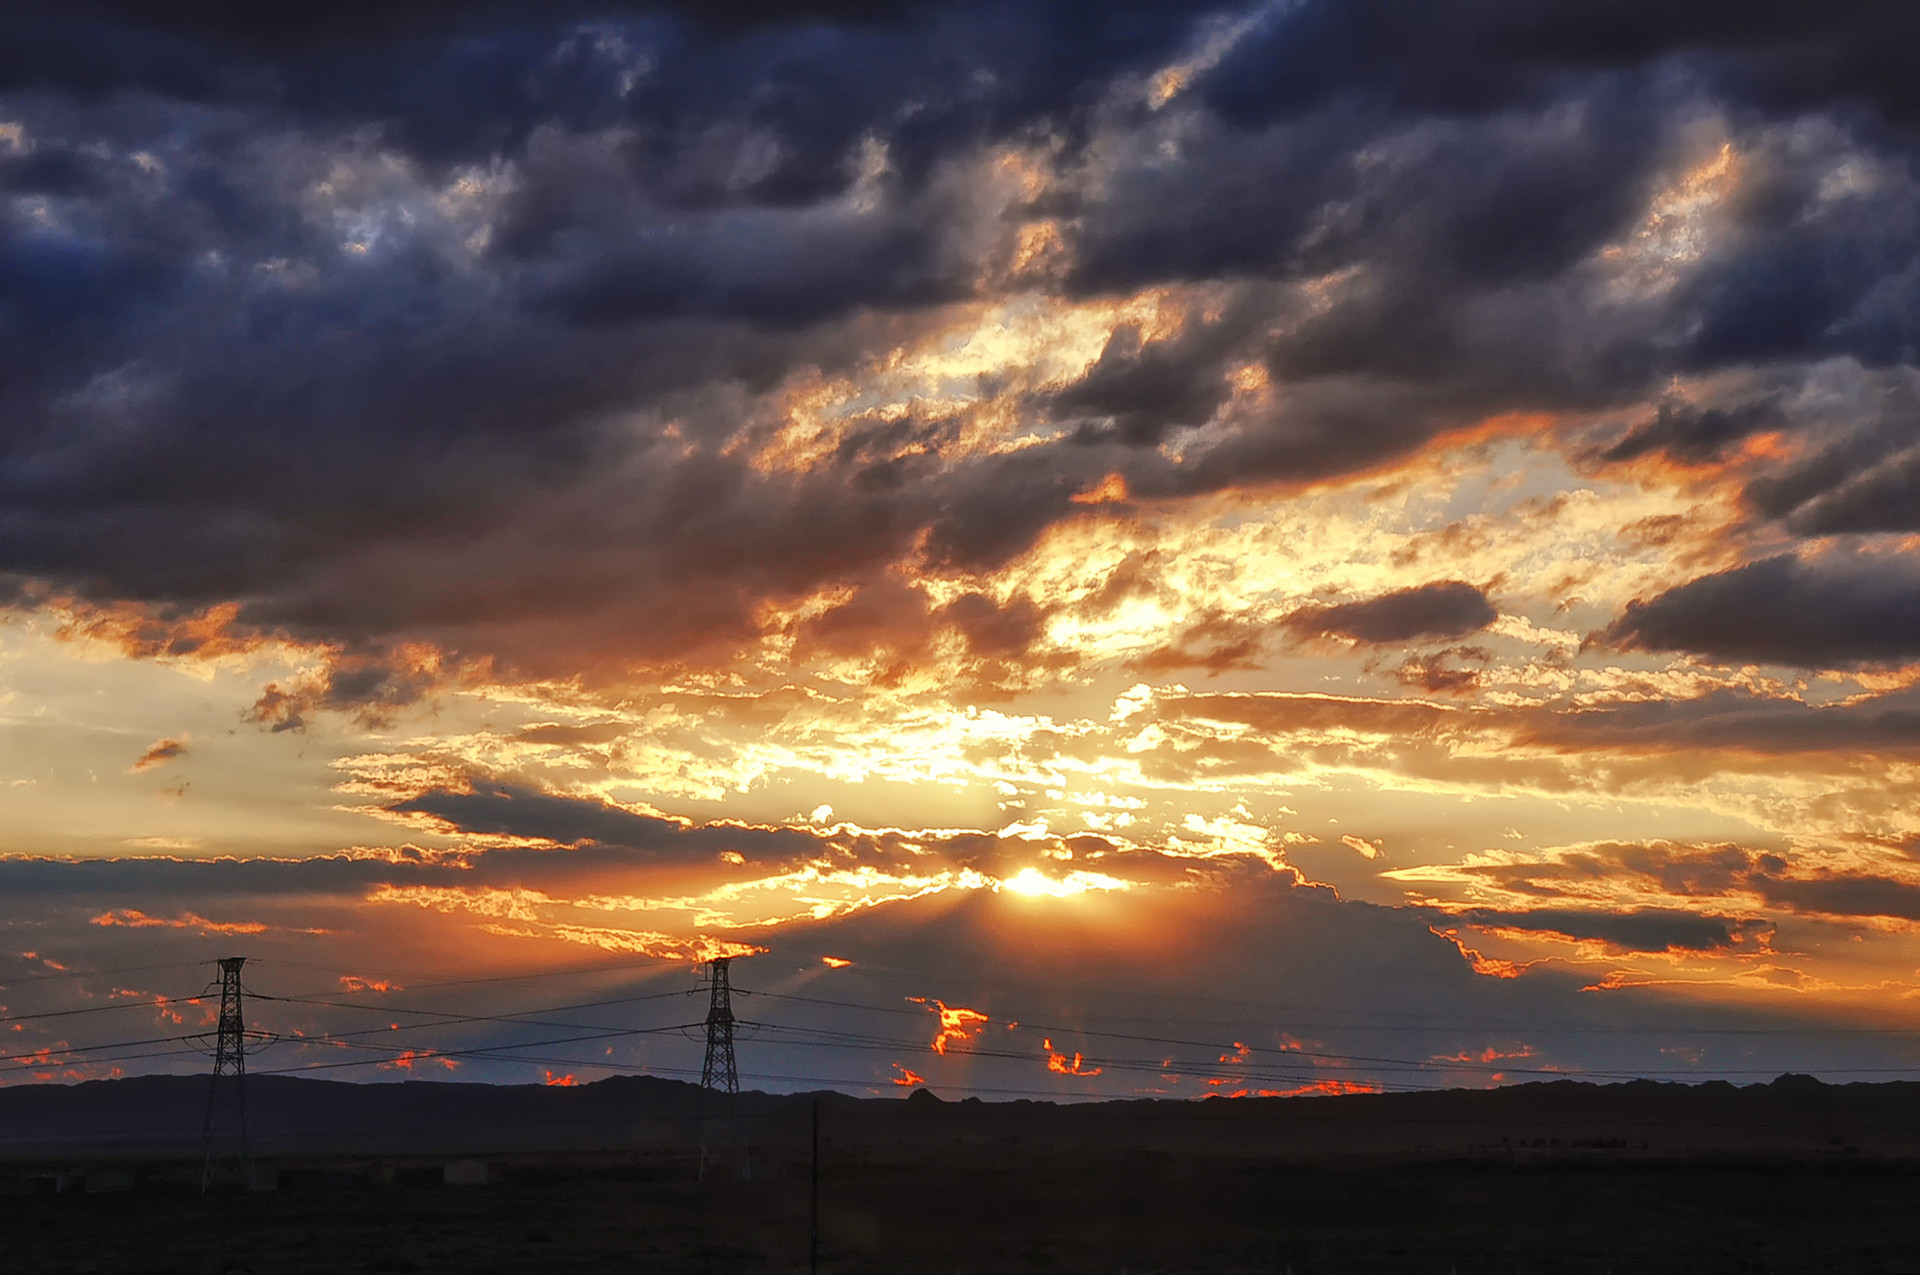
x,y
1260,549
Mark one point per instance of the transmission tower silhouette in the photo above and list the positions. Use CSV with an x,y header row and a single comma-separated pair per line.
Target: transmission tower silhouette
x,y
718,1071
718,1074
229,1063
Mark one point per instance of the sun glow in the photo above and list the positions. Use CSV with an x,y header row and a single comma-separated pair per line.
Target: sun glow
x,y
1032,883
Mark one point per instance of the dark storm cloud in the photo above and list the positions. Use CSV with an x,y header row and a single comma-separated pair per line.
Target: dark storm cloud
x,y
1443,609
1433,311
1138,391
1732,874
373,319
1884,496
587,840
1727,721
452,82
1733,723
1466,203
1640,930
496,809
1691,433
601,837
1842,894
1817,613
1488,54
608,832
1860,480
1676,868
1504,152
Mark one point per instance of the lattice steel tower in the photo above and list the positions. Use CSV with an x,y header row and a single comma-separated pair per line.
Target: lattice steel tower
x,y
718,1071
229,1062
718,1075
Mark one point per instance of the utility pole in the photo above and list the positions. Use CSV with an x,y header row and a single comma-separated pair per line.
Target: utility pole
x,y
229,1060
813,1239
718,1074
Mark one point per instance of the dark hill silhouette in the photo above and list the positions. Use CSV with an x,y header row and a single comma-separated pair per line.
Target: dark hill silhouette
x,y
160,1116
1655,1178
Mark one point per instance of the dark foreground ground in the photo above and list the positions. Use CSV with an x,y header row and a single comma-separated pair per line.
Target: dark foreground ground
x,y
1007,1208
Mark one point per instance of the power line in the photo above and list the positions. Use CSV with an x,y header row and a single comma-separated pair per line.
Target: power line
x,y
487,1051
1455,1025
450,1015
101,1009
831,1038
38,1054
48,977
624,967
1320,1055
1156,1066
1395,1021
1289,1065
454,1020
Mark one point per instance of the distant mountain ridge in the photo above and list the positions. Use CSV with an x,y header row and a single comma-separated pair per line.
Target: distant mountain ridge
x,y
161,1116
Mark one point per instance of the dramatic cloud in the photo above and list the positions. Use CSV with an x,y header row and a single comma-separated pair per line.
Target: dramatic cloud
x,y
1449,609
1642,930
1814,613
1607,875
509,289
655,480
1691,433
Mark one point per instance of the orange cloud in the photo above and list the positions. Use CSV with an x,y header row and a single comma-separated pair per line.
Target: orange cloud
x,y
415,1057
1057,1062
1489,1054
908,1077
1111,490
955,1024
143,632
135,919
1491,966
159,753
560,1082
354,983
1320,1087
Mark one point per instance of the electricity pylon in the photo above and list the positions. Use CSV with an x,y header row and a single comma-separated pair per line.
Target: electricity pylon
x,y
718,1074
718,1071
229,1060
